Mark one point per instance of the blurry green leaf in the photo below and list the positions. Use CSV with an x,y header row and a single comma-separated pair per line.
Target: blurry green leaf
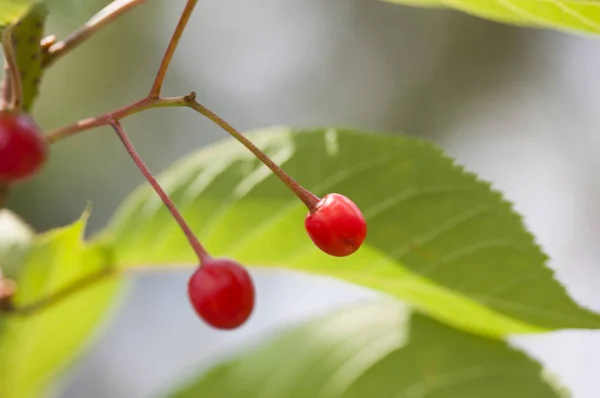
x,y
34,348
13,10
567,15
438,237
28,51
375,350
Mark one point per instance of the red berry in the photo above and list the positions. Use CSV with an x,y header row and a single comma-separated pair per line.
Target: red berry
x,y
336,225
23,149
222,293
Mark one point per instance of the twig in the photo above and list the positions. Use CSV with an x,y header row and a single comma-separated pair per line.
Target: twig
x,y
153,100
307,197
8,307
97,22
202,254
5,89
16,86
54,51
105,119
166,60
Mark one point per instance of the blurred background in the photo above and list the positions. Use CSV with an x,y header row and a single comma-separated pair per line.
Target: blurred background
x,y
518,106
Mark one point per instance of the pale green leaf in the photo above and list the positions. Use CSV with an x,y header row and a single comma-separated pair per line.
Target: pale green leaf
x,y
438,237
28,52
34,348
375,350
13,10
581,16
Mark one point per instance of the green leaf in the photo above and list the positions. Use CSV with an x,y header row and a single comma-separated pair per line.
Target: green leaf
x,y
34,348
375,350
28,52
438,237
13,10
581,16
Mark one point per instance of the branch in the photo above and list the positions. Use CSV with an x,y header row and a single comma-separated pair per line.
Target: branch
x,y
307,197
16,87
107,15
105,119
7,306
164,65
152,100
8,288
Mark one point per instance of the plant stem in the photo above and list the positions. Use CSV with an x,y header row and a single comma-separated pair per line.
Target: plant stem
x,y
105,119
166,60
5,89
6,305
307,197
153,100
97,22
202,254
16,86
8,288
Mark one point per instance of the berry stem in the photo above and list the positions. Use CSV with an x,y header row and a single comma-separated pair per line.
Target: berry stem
x,y
8,287
97,22
105,119
7,305
153,100
202,254
166,60
16,86
307,197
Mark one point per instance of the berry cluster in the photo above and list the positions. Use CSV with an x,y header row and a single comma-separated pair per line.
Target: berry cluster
x,y
220,290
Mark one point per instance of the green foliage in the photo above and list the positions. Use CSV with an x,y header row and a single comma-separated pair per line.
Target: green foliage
x,y
28,52
438,237
13,10
568,15
375,350
34,348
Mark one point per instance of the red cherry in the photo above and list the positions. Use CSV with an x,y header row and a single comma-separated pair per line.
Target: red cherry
x,y
222,293
23,149
336,225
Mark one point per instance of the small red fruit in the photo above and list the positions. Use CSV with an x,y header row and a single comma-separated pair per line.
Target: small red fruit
x,y
336,225
222,293
23,149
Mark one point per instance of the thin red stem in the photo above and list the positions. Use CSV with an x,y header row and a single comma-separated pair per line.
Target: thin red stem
x,y
107,15
16,86
6,304
166,60
105,119
202,254
307,197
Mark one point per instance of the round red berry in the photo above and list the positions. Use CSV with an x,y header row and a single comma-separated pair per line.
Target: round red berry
x,y
23,149
336,226
222,293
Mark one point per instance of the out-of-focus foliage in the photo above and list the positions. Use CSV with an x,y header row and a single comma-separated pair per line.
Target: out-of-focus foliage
x,y
569,15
